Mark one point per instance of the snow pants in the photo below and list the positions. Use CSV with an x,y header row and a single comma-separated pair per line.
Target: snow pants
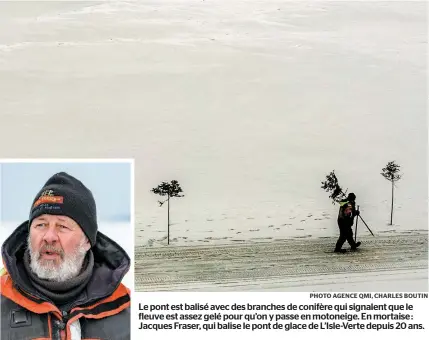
x,y
346,233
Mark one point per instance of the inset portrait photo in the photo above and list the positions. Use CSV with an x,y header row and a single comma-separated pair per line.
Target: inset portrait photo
x,y
67,248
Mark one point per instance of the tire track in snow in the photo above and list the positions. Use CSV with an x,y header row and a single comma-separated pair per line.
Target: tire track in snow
x,y
310,260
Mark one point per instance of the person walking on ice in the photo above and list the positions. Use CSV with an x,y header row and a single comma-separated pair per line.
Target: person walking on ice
x,y
346,215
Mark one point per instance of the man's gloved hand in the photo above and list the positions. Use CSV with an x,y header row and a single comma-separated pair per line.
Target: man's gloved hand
x,y
357,212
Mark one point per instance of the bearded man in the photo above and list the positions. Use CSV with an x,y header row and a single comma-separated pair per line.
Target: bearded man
x,y
62,277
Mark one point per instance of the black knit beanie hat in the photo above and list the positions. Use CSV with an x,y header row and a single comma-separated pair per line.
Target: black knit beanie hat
x,y
65,195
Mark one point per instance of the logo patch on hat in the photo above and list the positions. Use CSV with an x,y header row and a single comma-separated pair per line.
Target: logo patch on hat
x,y
48,197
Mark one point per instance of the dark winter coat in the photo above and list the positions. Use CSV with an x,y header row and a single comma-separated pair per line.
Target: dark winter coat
x,y
102,310
345,218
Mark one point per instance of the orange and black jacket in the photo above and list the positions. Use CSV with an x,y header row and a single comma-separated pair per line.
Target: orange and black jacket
x,y
102,309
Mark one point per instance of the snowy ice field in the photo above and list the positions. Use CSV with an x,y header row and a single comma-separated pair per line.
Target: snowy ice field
x,y
248,104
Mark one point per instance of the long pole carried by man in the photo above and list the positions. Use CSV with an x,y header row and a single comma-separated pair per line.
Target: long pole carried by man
x,y
366,225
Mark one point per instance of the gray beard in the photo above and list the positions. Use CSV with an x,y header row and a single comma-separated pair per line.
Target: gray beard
x,y
69,268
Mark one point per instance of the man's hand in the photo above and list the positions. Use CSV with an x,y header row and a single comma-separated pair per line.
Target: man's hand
x,y
357,213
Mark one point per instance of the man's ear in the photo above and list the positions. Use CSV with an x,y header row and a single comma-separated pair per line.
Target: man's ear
x,y
87,245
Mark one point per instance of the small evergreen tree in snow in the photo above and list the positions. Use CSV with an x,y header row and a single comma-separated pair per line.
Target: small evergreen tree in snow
x,y
332,186
170,190
391,173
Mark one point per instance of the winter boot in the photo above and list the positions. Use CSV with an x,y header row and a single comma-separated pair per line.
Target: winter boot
x,y
357,245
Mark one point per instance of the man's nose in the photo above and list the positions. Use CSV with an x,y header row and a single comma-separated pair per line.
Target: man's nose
x,y
51,235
